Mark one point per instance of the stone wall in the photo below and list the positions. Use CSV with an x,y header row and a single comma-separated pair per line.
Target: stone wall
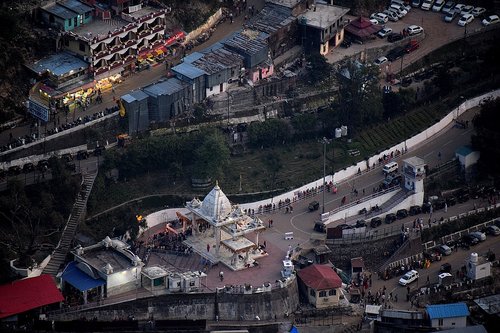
x,y
227,306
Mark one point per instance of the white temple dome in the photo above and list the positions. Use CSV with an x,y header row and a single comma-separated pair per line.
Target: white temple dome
x,y
216,204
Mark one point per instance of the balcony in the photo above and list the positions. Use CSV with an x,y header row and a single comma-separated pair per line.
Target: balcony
x,y
117,48
143,33
101,54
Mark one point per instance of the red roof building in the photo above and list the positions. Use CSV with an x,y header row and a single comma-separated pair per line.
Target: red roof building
x,y
361,28
321,285
28,294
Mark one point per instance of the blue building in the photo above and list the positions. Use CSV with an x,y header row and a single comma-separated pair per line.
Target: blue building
x,y
444,316
66,15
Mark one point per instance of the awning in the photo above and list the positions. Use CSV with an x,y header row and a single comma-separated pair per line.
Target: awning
x,y
78,279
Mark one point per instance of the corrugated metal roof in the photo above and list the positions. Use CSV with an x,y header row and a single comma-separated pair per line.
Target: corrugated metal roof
x,y
76,6
60,11
271,18
188,70
167,87
136,95
247,41
190,58
216,61
447,310
58,64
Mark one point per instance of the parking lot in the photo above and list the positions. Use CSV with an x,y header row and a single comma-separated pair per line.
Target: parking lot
x,y
436,33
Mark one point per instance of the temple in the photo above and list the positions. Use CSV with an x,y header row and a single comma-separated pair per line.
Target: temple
x,y
220,231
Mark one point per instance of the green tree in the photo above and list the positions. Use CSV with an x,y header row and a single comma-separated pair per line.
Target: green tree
x,y
211,156
319,68
360,100
269,133
304,125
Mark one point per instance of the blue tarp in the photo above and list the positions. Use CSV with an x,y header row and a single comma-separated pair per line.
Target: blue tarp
x,y
294,330
78,279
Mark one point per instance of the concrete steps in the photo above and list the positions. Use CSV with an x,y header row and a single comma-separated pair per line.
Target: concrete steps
x,y
78,211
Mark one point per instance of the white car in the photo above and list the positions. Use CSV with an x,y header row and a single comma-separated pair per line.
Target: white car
x,y
465,19
478,11
414,30
448,7
380,61
466,10
438,5
381,17
458,7
384,32
374,22
492,19
391,15
408,278
427,5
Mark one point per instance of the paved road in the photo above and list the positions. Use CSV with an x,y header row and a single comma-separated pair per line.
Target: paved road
x,y
301,222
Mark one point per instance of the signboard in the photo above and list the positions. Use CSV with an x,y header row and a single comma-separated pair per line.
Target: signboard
x,y
171,40
38,110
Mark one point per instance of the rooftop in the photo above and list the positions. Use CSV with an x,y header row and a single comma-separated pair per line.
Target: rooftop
x,y
490,304
248,41
447,310
154,272
136,95
58,64
285,3
271,18
215,61
188,70
324,15
464,150
60,11
166,87
320,277
414,161
76,6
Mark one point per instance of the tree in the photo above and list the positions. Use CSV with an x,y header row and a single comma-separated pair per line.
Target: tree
x,y
487,137
304,125
319,68
360,100
269,133
396,103
211,156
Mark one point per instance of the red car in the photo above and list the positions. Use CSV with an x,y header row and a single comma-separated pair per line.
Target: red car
x,y
412,46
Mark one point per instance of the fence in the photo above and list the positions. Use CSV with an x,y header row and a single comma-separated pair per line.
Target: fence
x,y
212,20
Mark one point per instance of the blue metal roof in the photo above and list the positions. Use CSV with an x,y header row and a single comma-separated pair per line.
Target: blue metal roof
x,y
136,95
192,57
464,150
60,11
76,6
167,87
78,279
447,310
59,64
188,70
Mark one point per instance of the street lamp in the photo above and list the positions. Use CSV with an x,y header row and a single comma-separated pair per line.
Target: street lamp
x,y
324,141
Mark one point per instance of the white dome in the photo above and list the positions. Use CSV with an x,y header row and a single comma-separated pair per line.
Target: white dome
x,y
216,204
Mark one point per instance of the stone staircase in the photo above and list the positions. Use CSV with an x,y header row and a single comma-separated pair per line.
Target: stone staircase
x,y
77,214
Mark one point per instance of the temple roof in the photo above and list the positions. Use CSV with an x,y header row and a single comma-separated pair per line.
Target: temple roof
x,y
216,204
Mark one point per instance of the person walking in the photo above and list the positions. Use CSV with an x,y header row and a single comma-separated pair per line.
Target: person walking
x,y
221,276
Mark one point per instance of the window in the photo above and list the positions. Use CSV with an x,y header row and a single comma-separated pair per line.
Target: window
x,y
322,293
312,293
332,292
211,88
191,283
75,21
82,47
440,321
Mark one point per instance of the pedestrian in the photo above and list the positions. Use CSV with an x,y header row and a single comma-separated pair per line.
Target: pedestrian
x,y
363,191
208,247
291,209
221,275
265,245
445,207
428,281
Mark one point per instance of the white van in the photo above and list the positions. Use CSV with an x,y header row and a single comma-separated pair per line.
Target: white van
x,y
408,278
390,168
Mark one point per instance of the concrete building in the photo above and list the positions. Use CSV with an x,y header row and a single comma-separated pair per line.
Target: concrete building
x,y
442,316
157,280
467,157
321,285
323,28
103,269
296,6
66,15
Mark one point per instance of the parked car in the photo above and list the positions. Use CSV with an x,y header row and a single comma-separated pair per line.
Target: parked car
x,y
380,17
314,205
394,37
416,3
445,268
448,7
415,210
28,167
469,240
14,170
451,201
466,10
427,5
384,32
450,16
389,218
414,30
492,19
492,230
375,222
380,61
444,250
438,5
396,53
374,21
408,278
481,236
401,214
360,223
465,19
391,15
439,204
426,207
458,7
478,11
412,46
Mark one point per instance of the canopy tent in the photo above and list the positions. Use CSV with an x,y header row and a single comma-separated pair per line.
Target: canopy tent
x,y
361,28
27,294
78,279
